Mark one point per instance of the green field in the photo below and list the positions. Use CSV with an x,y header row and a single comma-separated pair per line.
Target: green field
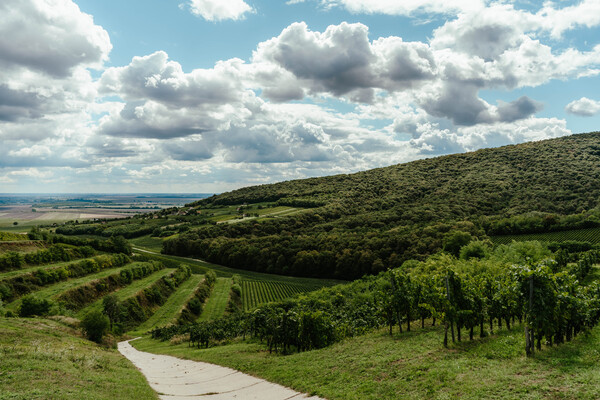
x,y
256,292
591,235
42,359
415,365
127,291
217,302
148,243
171,309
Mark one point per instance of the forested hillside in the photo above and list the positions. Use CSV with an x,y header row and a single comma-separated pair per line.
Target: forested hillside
x,y
365,222
558,175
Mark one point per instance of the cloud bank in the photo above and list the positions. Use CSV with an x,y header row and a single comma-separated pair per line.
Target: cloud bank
x,y
307,102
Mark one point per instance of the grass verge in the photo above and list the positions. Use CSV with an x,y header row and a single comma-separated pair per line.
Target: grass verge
x,y
415,365
41,359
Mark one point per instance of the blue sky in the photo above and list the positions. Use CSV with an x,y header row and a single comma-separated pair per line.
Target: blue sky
x,y
208,96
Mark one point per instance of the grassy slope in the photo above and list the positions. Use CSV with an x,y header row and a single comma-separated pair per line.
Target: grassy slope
x,y
60,287
416,366
170,310
40,359
128,291
148,243
217,302
29,269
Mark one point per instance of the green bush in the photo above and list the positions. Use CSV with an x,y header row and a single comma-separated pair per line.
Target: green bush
x,y
32,305
475,249
94,325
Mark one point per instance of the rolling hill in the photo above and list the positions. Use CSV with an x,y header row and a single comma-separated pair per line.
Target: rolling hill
x,y
365,222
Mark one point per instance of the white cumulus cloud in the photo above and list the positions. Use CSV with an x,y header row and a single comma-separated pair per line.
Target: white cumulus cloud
x,y
218,10
583,107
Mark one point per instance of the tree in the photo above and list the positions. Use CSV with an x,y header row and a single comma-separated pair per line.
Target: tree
x,y
119,245
454,241
95,325
32,305
111,307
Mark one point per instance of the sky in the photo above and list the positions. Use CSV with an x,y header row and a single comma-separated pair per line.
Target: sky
x,y
206,96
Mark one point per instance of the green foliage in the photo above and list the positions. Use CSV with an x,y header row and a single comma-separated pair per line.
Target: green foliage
x,y
518,252
455,241
9,236
193,309
475,249
95,325
589,236
138,308
461,294
80,296
370,220
17,286
34,306
54,253
257,292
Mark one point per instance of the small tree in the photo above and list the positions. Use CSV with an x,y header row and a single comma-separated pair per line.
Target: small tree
x,y
32,305
454,241
112,308
95,325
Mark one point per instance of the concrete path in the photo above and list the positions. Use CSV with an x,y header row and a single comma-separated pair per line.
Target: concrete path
x,y
177,379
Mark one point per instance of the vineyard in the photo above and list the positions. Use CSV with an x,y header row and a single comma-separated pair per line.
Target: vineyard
x,y
255,293
591,235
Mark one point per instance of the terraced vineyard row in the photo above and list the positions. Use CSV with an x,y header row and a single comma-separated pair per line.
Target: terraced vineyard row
x,y
127,291
255,293
171,309
591,235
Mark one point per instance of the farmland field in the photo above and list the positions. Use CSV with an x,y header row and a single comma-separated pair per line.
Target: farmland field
x,y
256,292
591,235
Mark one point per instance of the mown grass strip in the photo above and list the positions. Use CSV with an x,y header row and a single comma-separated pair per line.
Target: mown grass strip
x,y
127,291
217,302
170,310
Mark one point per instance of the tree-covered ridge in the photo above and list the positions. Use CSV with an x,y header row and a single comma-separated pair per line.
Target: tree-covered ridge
x,y
557,176
366,222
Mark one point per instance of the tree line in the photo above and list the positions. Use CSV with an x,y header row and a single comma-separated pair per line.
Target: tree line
x,y
465,297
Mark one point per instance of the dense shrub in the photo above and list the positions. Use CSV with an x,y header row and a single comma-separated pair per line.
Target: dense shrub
x,y
95,325
34,306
